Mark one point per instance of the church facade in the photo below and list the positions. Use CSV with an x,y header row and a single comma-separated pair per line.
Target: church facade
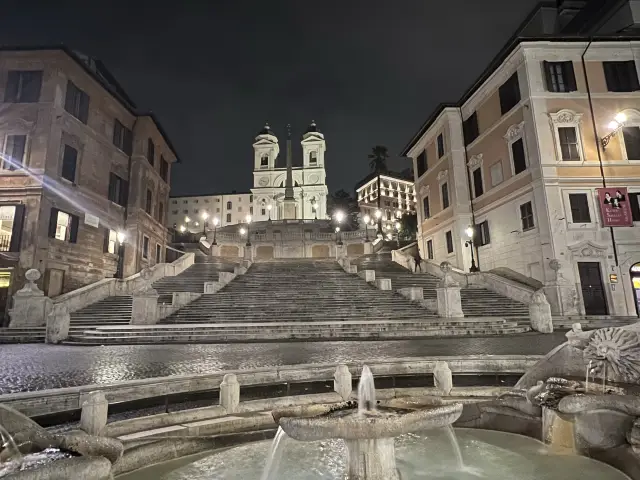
x,y
308,182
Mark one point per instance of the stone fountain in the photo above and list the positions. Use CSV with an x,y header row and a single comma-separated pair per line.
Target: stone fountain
x,y
368,429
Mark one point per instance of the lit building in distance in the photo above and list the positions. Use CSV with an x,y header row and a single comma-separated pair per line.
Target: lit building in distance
x,y
397,197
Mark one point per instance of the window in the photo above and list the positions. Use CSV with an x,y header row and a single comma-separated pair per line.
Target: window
x,y
496,174
228,218
579,208
621,76
526,216
440,145
519,158
206,200
263,212
164,169
426,207
77,102
174,212
449,239
158,253
14,151
430,249
422,163
251,210
69,160
251,198
63,226
444,188
185,201
470,128
568,137
264,161
122,137
560,76
145,247
23,86
240,209
634,200
228,205
313,158
118,190
477,182
196,201
509,93
174,202
149,202
185,211
151,151
482,230
110,241
631,137
11,223
161,212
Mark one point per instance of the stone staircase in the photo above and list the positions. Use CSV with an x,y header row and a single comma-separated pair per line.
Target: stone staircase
x,y
476,302
298,299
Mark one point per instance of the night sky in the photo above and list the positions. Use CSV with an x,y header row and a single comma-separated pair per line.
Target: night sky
x,y
214,71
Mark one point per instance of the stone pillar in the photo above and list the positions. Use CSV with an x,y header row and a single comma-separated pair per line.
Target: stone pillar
x,y
442,378
215,250
383,283
145,302
352,269
342,382
30,306
58,324
540,313
448,291
95,408
368,275
368,248
230,393
211,287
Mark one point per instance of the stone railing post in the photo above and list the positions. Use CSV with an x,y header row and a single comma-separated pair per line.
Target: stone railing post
x,y
342,383
540,313
383,283
230,393
214,251
442,378
30,305
93,416
145,302
58,324
368,276
448,291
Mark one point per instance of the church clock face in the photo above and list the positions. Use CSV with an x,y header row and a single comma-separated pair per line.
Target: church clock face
x,y
263,182
314,178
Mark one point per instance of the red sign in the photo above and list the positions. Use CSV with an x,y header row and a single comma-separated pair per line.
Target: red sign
x,y
614,207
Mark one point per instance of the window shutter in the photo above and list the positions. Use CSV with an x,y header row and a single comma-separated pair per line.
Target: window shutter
x,y
73,233
84,107
105,245
128,141
570,77
11,93
32,82
70,97
546,66
124,193
53,219
112,187
633,76
16,230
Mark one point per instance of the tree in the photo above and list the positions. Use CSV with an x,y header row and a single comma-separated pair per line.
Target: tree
x,y
408,226
342,201
378,159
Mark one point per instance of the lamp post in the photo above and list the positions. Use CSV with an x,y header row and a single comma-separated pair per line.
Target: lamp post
x,y
338,242
339,218
122,237
204,215
615,125
216,221
269,207
398,233
366,219
379,220
248,219
470,231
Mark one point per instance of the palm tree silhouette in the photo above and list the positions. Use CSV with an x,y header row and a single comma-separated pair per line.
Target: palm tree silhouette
x,y
378,159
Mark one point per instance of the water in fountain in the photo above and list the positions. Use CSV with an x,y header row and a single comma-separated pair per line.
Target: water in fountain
x,y
366,392
586,380
10,446
274,456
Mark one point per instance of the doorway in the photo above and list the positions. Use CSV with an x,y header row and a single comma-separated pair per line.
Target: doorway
x,y
593,297
634,273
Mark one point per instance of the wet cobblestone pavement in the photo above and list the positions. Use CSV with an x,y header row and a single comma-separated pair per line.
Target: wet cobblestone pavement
x,y
36,366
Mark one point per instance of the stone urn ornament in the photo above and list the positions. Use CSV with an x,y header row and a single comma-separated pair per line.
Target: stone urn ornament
x,y
447,280
30,288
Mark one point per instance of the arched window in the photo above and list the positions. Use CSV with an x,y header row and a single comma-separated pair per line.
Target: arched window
x,y
264,161
313,158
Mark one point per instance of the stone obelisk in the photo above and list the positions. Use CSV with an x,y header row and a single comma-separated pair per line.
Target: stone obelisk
x,y
289,202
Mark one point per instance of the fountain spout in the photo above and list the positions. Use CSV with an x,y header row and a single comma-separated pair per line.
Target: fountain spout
x,y
366,392
9,446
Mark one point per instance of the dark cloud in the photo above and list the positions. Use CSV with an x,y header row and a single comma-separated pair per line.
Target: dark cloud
x,y
367,72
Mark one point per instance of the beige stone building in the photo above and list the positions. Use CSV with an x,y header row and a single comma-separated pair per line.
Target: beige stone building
x,y
522,155
79,164
195,213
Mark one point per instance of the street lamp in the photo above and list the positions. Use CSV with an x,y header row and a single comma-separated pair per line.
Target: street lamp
x,y
187,220
338,240
183,229
366,219
379,220
615,125
121,237
398,233
470,231
248,220
216,221
269,207
339,217
204,215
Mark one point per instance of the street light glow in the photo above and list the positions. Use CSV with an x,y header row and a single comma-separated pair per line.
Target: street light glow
x,y
248,218
122,236
337,229
216,221
378,214
183,228
367,219
397,225
620,118
613,125
469,231
187,219
205,215
269,207
339,216
243,231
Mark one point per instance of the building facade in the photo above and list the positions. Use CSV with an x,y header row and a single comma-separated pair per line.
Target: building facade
x,y
79,165
397,197
195,213
526,158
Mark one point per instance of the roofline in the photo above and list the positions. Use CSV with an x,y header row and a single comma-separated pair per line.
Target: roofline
x,y
382,175
497,61
123,98
211,195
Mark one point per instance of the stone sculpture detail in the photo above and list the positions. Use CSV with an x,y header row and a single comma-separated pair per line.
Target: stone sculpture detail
x,y
615,350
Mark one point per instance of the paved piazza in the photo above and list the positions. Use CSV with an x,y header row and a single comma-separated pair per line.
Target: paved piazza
x,y
37,366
